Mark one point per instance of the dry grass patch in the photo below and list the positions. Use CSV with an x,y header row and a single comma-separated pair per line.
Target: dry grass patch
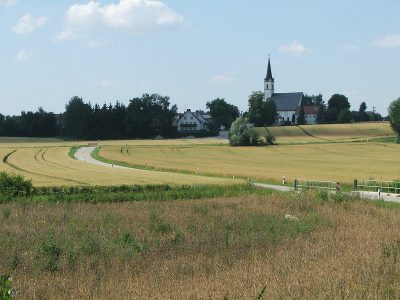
x,y
202,249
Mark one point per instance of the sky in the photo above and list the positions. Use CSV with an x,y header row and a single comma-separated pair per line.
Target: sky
x,y
196,51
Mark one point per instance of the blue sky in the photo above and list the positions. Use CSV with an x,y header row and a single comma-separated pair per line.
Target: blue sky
x,y
195,51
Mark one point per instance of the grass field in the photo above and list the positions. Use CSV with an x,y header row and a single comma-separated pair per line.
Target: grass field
x,y
53,167
342,162
328,133
232,248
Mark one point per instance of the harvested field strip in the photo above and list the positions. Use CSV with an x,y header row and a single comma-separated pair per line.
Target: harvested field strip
x,y
6,161
309,134
52,166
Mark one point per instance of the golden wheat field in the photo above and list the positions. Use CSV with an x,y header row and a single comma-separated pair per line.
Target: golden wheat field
x,y
327,132
342,162
51,166
340,152
224,248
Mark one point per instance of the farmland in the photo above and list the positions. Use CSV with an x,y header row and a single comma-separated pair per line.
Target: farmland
x,y
328,133
51,166
297,246
324,152
329,161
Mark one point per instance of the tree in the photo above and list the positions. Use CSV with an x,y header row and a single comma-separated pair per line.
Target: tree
x,y
270,113
1,124
261,113
336,104
321,114
149,116
77,119
394,115
344,116
301,120
362,116
222,113
256,103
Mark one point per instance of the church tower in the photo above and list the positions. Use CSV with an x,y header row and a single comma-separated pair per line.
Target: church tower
x,y
268,83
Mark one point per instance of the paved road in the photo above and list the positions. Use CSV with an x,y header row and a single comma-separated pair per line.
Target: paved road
x,y
383,196
281,188
84,154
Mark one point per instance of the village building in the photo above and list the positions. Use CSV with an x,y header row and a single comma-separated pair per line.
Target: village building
x,y
192,121
287,104
310,113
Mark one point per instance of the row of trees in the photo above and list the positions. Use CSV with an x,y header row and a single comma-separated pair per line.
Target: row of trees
x,y
144,117
29,124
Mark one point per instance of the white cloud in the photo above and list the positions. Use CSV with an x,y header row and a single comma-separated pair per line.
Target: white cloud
x,y
349,47
296,49
27,24
388,41
23,55
134,16
8,2
222,78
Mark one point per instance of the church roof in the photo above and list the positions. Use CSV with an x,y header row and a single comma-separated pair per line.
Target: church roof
x,y
269,72
287,101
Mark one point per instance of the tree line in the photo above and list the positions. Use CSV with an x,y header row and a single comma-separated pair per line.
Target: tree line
x,y
151,115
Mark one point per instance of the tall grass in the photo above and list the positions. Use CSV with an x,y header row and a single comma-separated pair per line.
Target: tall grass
x,y
270,246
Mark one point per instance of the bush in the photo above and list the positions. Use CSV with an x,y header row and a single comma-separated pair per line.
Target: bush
x,y
14,185
394,114
241,133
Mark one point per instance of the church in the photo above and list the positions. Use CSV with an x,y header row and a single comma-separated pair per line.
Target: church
x,y
287,104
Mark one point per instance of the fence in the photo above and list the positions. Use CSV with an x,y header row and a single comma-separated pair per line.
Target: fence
x,y
300,184
390,187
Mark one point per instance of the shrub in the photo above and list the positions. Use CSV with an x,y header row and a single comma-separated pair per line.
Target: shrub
x,y
14,185
239,134
6,290
394,114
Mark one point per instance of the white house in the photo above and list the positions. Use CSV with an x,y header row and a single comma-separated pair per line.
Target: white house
x,y
192,121
310,114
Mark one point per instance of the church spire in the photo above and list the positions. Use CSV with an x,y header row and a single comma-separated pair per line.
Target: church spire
x,y
269,72
268,83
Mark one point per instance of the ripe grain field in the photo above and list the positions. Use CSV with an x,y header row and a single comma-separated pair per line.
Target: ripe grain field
x,y
280,246
331,161
51,166
328,133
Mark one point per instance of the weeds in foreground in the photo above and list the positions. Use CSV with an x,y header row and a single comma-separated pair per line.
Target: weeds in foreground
x,y
7,292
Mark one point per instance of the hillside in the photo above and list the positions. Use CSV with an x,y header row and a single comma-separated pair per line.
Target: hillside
x,y
328,132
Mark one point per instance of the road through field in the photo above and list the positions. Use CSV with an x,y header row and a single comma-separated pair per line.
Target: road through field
x,y
84,154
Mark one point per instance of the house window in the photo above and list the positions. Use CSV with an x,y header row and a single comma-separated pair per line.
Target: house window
x,y
184,118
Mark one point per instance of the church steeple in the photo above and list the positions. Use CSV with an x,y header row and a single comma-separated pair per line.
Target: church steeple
x,y
269,72
268,82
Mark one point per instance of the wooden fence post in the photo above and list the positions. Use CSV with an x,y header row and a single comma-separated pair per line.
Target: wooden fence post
x,y
355,184
295,184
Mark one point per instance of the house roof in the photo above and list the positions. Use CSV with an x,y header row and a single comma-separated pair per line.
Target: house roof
x,y
287,101
309,110
191,113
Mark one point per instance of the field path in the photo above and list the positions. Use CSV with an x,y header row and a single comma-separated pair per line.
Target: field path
x,y
84,154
